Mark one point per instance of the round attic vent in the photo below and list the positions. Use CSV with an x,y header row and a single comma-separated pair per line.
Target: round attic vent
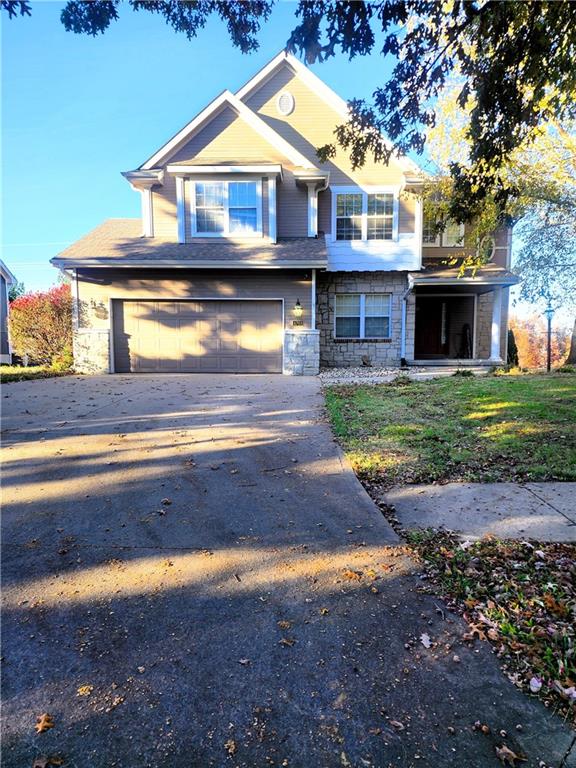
x,y
285,103
487,247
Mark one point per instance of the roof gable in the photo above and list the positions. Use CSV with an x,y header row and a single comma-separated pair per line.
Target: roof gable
x,y
322,91
227,100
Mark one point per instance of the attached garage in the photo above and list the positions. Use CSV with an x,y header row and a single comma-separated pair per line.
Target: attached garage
x,y
197,336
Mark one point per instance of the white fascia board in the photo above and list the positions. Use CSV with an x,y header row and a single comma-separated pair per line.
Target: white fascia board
x,y
188,264
322,90
140,180
250,117
504,281
266,170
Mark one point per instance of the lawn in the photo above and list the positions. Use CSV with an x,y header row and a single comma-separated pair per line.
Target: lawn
x,y
477,429
10,373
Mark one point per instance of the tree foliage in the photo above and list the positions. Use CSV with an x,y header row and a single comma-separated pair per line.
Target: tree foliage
x,y
515,61
16,290
530,334
41,326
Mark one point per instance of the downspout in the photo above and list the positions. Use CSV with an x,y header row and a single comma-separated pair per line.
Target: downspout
x,y
403,361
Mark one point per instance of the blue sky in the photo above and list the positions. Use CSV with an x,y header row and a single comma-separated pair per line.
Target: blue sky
x,y
78,110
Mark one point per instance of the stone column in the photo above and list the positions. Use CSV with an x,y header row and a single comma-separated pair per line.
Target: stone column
x,y
496,323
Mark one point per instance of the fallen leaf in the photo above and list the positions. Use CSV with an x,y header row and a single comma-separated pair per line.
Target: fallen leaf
x,y
352,575
45,762
85,690
244,662
507,757
288,641
397,724
324,611
44,723
230,747
166,502
284,624
425,640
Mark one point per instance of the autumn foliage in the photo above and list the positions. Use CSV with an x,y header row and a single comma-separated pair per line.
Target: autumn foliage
x,y
530,334
41,326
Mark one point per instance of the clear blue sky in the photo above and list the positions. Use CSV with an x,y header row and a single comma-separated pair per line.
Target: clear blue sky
x,y
78,110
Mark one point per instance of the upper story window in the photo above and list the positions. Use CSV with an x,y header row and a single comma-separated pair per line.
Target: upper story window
x,y
364,215
222,208
452,236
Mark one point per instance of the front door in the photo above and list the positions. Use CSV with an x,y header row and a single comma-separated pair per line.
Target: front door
x,y
430,336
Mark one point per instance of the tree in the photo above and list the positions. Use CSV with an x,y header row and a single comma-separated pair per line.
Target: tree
x,y
515,60
41,326
16,290
530,334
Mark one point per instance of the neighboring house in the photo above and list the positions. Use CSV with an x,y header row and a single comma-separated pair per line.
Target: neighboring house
x,y
6,280
252,256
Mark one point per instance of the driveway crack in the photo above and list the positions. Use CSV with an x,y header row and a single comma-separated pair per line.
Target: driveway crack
x,y
545,501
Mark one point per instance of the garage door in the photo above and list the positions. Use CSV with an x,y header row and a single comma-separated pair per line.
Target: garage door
x,y
198,336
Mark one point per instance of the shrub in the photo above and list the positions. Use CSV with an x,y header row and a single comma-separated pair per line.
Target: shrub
x,y
512,349
41,326
566,369
465,372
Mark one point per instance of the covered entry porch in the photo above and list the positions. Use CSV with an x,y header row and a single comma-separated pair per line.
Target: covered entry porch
x,y
451,319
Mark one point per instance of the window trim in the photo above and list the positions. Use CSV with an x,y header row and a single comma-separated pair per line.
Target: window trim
x,y
362,336
439,242
365,191
226,233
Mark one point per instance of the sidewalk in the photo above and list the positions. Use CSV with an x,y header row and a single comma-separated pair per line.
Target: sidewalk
x,y
541,511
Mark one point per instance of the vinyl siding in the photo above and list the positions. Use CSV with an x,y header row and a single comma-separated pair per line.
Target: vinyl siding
x,y
96,287
501,253
311,125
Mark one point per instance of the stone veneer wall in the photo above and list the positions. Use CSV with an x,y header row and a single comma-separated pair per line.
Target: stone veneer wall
x,y
301,352
335,352
91,351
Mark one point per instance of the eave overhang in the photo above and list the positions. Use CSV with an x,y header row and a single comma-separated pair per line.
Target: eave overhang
x,y
186,264
144,179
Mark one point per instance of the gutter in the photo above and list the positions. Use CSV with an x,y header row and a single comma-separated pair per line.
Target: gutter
x,y
188,264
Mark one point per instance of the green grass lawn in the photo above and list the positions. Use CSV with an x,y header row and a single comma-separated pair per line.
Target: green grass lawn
x,y
486,429
10,373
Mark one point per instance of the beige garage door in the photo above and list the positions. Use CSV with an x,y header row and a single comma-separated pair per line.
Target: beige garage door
x,y
198,336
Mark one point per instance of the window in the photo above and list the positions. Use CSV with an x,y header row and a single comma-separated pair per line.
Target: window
x,y
364,215
210,207
362,316
243,209
226,208
452,236
380,216
429,234
349,217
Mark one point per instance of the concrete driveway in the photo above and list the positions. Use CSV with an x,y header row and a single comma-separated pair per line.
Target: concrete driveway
x,y
193,577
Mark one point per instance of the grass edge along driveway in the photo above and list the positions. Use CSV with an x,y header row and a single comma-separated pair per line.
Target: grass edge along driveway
x,y
477,429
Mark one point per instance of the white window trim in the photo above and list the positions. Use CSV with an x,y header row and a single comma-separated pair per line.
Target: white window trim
x,y
365,191
439,242
226,233
363,315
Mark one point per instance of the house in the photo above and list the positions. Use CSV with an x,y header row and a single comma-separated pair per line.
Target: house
x,y
6,280
252,256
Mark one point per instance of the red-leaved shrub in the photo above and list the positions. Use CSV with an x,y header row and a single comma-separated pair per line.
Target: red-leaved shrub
x,y
41,326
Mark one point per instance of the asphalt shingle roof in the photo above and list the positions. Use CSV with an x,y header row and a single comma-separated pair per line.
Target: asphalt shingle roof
x,y
120,242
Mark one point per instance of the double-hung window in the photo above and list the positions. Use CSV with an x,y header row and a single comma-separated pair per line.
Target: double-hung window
x,y
364,215
222,208
452,236
362,316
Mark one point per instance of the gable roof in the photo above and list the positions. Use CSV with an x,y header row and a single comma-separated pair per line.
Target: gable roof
x,y
322,90
226,98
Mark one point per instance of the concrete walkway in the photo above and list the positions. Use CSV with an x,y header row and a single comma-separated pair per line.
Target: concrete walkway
x,y
541,511
193,577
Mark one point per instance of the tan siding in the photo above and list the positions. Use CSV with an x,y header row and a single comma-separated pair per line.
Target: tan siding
x,y
311,125
228,137
291,208
97,287
164,214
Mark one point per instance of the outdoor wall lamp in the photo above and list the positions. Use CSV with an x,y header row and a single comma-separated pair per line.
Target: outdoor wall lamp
x,y
298,310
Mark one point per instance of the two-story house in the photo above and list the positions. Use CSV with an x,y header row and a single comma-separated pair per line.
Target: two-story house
x,y
252,256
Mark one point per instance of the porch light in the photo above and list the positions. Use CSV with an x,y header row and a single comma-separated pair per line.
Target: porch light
x,y
298,310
